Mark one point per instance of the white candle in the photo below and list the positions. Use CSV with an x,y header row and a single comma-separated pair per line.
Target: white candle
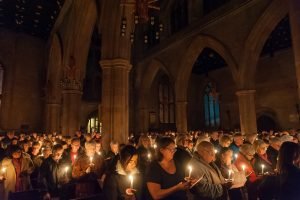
x,y
262,169
75,156
66,169
229,173
216,151
99,153
91,160
236,155
154,146
131,181
243,167
3,170
190,171
149,156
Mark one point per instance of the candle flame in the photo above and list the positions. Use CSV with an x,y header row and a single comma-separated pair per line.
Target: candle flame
x,y
66,169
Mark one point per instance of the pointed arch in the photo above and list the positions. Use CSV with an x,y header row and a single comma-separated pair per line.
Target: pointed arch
x,y
188,59
256,40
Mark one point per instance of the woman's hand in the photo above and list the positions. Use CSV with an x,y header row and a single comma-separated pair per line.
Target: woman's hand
x,y
185,185
130,191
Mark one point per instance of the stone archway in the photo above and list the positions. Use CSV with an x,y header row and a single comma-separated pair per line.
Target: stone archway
x,y
256,40
151,71
185,68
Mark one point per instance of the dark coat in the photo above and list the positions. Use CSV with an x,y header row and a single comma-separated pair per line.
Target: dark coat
x,y
272,156
289,184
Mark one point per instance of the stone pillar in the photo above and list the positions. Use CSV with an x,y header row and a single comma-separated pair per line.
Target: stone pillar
x,y
115,100
52,117
294,16
143,119
247,111
181,116
71,93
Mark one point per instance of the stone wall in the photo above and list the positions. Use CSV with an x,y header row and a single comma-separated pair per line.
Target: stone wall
x,y
22,102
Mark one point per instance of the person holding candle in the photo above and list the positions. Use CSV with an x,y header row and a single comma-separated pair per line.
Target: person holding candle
x,y
145,153
182,155
261,162
163,179
231,173
244,163
87,170
213,184
73,152
125,182
16,170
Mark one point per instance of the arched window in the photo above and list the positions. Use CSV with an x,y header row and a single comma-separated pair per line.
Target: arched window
x,y
93,123
211,106
179,15
166,102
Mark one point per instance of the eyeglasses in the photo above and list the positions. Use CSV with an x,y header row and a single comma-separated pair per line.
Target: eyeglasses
x,y
172,150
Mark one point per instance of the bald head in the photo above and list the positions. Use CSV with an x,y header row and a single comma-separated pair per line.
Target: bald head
x,y
206,151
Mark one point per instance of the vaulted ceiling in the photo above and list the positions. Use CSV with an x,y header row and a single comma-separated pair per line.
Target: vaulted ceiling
x,y
34,17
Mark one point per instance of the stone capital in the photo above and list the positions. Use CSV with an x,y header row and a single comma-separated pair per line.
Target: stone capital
x,y
116,63
245,92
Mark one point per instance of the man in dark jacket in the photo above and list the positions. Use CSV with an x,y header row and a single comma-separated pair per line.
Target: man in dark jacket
x,y
273,150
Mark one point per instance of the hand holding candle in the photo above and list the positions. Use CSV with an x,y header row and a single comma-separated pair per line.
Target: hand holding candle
x,y
66,169
149,156
131,181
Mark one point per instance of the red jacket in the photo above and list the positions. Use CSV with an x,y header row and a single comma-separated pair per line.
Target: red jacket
x,y
240,161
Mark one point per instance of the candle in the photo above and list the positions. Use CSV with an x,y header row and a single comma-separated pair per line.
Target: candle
x,y
99,153
149,156
91,160
154,146
131,181
3,170
66,169
229,173
243,167
190,170
262,169
235,155
216,151
75,156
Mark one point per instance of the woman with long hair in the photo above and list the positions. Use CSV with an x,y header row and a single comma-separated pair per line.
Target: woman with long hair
x,y
289,172
163,179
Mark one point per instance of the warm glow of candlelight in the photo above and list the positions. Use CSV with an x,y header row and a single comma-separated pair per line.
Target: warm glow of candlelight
x,y
75,156
91,159
99,153
66,169
149,156
243,167
216,151
131,181
229,173
154,146
190,170
262,169
235,155
3,170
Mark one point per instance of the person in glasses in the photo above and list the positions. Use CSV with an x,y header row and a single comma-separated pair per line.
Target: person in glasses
x,y
163,179
182,155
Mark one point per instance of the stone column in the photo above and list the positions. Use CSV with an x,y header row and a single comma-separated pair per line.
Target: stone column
x,y
247,111
143,119
294,16
71,93
115,100
52,117
181,116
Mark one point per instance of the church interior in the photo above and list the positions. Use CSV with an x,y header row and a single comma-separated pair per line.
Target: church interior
x,y
123,67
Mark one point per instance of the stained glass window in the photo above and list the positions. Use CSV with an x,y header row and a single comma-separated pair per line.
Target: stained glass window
x,y
211,106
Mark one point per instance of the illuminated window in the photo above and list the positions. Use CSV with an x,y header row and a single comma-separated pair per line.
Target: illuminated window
x,y
93,123
211,106
166,102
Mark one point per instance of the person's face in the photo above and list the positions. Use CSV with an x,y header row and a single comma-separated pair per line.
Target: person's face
x,y
249,156
10,135
14,142
25,147
276,145
132,163
146,142
208,154
88,138
75,146
114,148
16,155
47,153
57,155
226,143
262,149
227,157
215,135
90,150
168,152
35,149
239,140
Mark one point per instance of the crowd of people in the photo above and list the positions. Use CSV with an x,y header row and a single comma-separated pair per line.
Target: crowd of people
x,y
195,165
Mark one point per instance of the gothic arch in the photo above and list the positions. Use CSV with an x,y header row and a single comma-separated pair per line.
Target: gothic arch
x,y
189,58
256,40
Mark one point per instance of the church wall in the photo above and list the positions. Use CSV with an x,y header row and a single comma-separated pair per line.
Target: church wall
x,y
276,93
23,57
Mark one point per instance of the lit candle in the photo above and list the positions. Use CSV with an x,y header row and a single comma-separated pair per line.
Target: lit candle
x,y
3,170
190,170
216,151
235,155
149,156
154,146
229,173
66,169
262,169
91,160
99,153
131,181
75,156
243,167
